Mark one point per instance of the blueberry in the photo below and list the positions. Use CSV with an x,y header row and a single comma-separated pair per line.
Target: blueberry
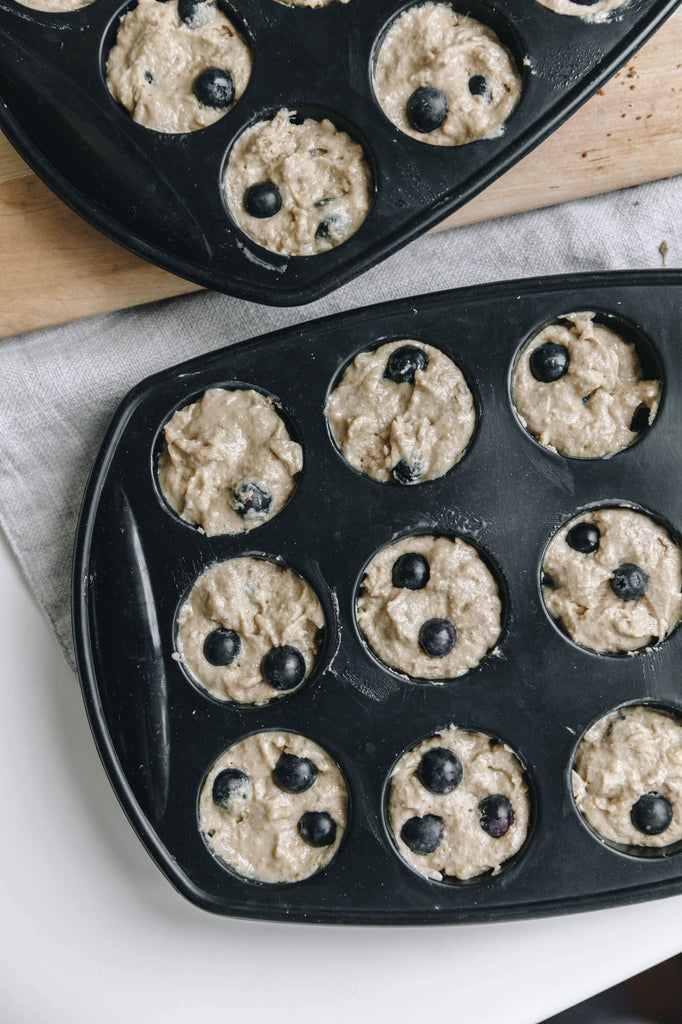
x,y
583,537
479,87
283,667
496,815
437,637
317,828
222,646
149,77
423,835
294,774
187,10
214,88
410,571
405,472
251,497
404,362
651,814
229,783
440,770
629,582
426,109
262,200
549,362
640,419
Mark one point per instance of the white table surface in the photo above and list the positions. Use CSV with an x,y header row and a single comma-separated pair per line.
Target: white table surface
x,y
90,931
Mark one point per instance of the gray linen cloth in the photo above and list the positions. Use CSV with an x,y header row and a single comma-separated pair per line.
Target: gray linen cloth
x,y
61,386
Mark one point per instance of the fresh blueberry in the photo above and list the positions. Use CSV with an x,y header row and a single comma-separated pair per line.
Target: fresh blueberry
x,y
187,10
640,419
283,668
423,835
251,497
294,774
651,814
440,770
317,828
262,200
404,362
229,783
410,571
549,362
583,537
479,87
405,472
214,88
426,109
437,637
149,77
629,582
222,646
496,815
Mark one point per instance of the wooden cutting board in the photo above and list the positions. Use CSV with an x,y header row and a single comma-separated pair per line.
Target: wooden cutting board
x,y
57,268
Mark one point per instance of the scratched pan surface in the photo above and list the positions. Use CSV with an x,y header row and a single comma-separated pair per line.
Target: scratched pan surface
x,y
159,195
134,561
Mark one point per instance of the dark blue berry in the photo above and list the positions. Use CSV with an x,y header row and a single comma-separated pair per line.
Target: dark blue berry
x,y
149,77
426,109
423,835
651,814
294,774
187,10
317,828
437,637
549,362
640,419
283,668
222,646
479,87
583,537
440,770
262,200
251,497
629,582
214,88
404,362
496,815
410,571
405,472
228,784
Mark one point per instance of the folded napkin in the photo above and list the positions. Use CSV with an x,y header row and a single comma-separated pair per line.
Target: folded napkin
x,y
62,385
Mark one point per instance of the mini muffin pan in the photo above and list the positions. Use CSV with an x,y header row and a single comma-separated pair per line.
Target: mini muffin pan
x,y
158,734
160,195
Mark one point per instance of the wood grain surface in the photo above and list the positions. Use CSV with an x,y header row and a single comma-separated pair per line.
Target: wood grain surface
x,y
57,268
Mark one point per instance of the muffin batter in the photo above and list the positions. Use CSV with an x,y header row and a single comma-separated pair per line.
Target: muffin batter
x,y
630,753
599,404
297,188
408,429
451,584
595,12
269,608
258,828
578,585
476,82
229,463
484,816
161,50
55,6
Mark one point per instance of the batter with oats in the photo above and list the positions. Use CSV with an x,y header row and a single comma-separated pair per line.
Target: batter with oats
x,y
458,805
627,777
55,6
599,10
429,607
402,412
229,463
612,578
250,630
580,390
444,78
274,807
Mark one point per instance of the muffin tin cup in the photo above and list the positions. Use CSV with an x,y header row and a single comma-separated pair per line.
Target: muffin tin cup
x,y
157,734
160,195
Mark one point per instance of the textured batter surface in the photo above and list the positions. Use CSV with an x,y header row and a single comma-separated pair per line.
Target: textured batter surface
x,y
595,12
434,45
628,753
377,423
577,590
466,850
214,446
588,412
461,588
257,833
156,58
55,6
267,605
322,176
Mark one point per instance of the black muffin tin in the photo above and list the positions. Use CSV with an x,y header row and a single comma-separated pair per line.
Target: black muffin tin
x,y
160,196
158,734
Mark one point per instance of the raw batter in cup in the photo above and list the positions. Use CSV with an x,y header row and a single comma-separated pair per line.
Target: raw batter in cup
x,y
599,10
55,6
